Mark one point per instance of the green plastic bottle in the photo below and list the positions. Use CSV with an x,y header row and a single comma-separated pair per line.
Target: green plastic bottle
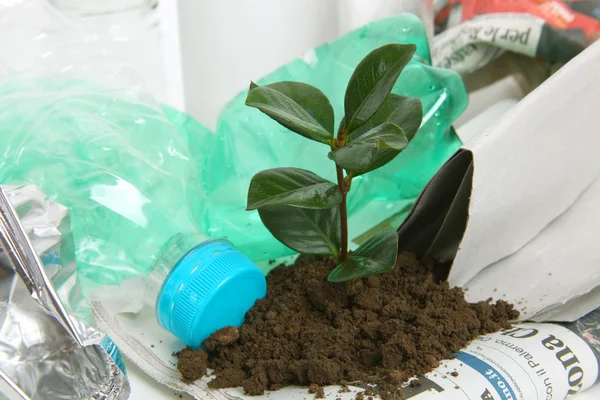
x,y
116,162
142,181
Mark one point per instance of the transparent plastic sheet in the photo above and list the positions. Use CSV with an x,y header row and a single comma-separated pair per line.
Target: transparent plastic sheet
x,y
77,122
46,352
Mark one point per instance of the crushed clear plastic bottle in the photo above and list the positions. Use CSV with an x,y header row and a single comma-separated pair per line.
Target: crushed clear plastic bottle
x,y
139,178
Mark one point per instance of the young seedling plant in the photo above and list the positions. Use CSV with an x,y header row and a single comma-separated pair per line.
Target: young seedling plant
x,y
308,213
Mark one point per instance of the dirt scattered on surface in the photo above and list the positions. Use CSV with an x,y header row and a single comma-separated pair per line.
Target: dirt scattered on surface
x,y
192,364
414,383
366,395
454,373
344,389
381,330
317,390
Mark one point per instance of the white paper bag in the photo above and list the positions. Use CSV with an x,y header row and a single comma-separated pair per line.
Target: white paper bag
x,y
515,214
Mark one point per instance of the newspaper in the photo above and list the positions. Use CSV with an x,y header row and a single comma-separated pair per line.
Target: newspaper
x,y
526,362
478,41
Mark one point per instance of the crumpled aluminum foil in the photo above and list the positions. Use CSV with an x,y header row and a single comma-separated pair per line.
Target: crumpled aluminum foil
x,y
46,353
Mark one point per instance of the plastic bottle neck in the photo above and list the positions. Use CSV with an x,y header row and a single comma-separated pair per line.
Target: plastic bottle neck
x,y
173,251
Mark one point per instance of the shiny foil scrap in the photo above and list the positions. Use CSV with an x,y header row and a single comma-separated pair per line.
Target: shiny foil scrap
x,y
46,352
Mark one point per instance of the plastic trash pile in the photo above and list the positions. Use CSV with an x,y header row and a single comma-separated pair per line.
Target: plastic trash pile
x,y
145,183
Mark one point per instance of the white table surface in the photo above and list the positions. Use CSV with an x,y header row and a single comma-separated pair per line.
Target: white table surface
x,y
145,388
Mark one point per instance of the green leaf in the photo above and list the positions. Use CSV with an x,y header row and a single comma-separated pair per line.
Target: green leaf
x,y
310,99
306,231
377,255
372,150
292,187
299,107
252,86
406,112
372,82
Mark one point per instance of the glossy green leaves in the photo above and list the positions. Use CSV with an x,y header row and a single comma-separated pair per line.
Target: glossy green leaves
x,y
308,213
372,82
306,231
299,208
299,107
372,150
406,112
377,255
292,187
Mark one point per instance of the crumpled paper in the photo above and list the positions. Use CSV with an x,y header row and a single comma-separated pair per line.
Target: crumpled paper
x,y
514,214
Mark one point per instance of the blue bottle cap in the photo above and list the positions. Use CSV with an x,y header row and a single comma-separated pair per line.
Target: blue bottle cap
x,y
211,287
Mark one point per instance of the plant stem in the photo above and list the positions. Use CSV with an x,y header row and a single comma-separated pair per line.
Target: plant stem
x,y
341,142
343,213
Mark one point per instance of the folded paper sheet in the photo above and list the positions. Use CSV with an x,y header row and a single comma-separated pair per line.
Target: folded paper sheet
x,y
528,235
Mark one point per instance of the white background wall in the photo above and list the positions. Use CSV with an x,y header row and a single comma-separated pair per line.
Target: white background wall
x,y
226,43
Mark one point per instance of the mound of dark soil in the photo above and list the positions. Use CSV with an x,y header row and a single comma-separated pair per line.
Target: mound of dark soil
x,y
380,330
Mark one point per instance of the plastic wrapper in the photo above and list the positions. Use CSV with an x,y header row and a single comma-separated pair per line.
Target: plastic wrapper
x,y
569,14
46,352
